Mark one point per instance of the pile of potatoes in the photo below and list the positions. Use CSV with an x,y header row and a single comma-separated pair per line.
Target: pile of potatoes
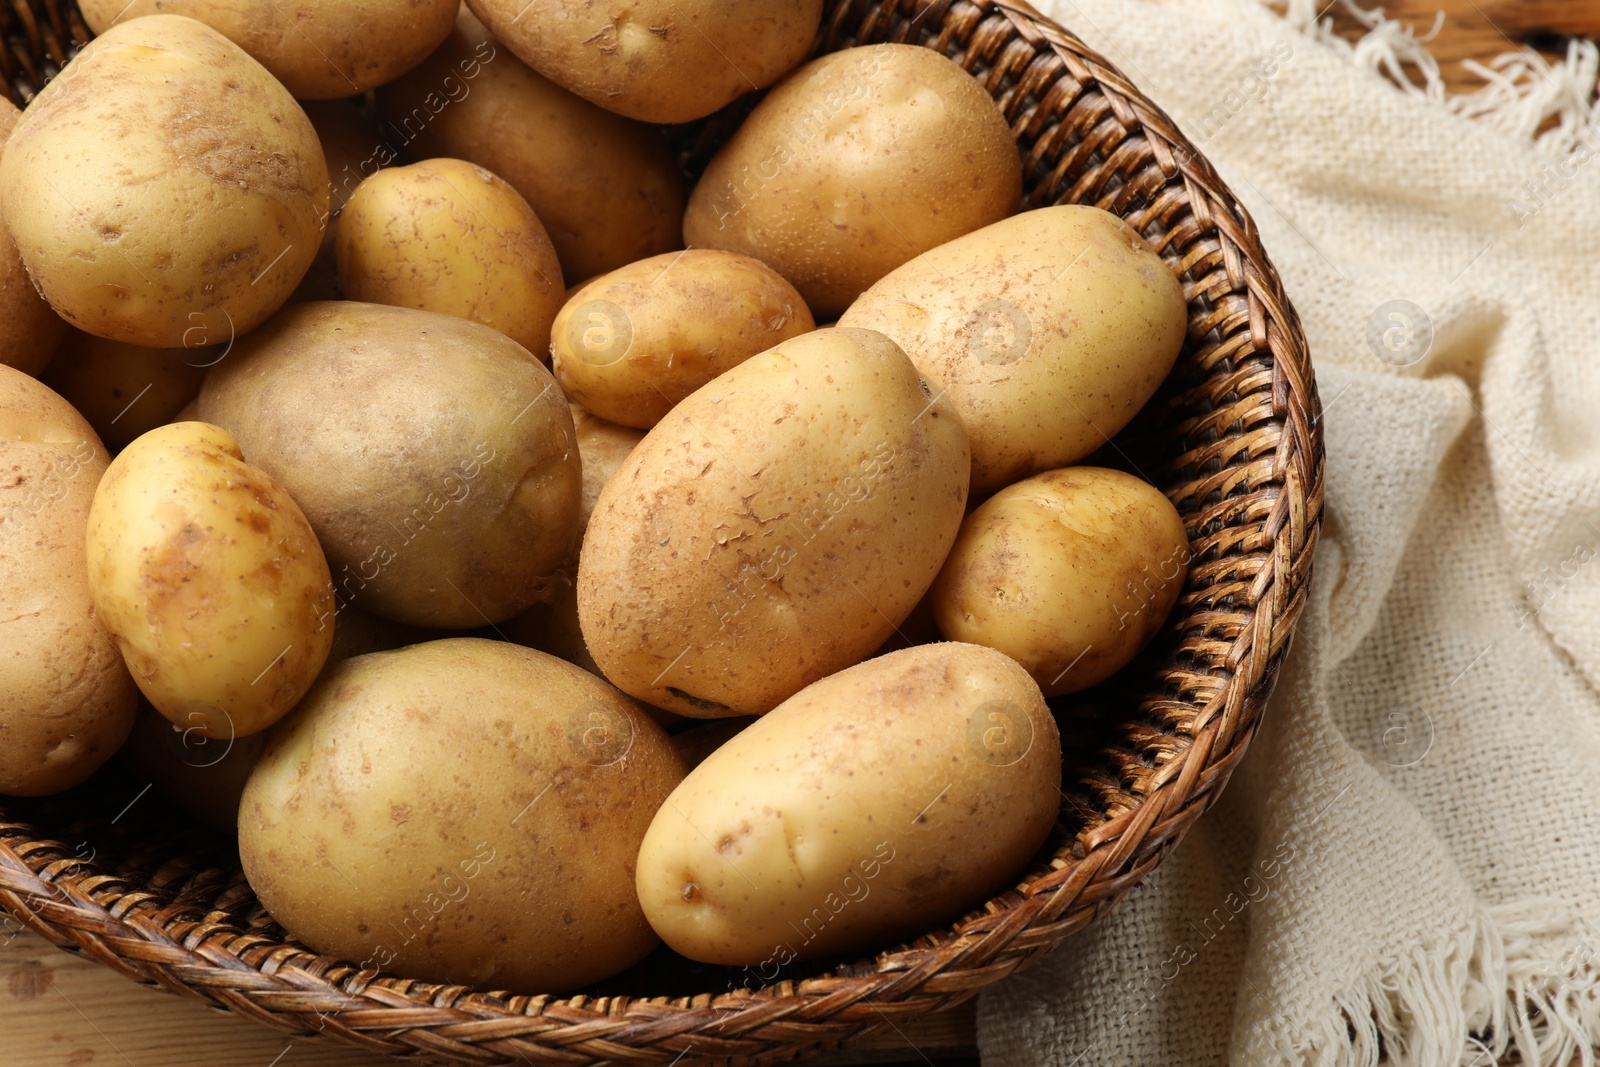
x,y
401,465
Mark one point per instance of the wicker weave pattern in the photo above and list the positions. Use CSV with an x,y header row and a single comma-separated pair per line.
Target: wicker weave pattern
x,y
1234,440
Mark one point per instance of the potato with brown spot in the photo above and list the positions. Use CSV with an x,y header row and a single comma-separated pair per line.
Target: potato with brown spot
x,y
29,329
124,390
141,217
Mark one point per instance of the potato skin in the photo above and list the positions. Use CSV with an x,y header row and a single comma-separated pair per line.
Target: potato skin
x,y
209,579
774,528
1049,330
631,344
658,60
29,329
447,236
854,164
66,700
319,49
142,219
607,189
124,390
872,805
434,456
517,873
1070,573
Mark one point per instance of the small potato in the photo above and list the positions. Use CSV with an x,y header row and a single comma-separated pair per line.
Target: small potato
x,y
854,164
461,811
66,701
140,216
633,343
447,236
658,60
607,189
353,149
1049,331
123,390
319,49
1070,573
209,579
872,805
29,329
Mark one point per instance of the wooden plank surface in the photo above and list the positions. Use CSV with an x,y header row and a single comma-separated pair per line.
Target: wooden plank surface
x,y
58,1010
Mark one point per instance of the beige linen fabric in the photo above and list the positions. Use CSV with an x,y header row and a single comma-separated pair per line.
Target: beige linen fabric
x,y
1407,865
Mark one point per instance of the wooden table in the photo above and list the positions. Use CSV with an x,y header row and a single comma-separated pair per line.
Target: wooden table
x,y
58,1010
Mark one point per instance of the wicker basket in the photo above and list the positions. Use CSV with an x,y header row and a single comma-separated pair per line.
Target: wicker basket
x,y
1232,438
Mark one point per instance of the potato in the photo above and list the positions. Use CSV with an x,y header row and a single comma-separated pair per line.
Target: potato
x,y
773,528
1070,573
353,150
66,701
140,216
658,60
631,344
29,329
854,164
319,49
1049,331
868,807
607,189
209,579
434,456
123,390
447,236
462,811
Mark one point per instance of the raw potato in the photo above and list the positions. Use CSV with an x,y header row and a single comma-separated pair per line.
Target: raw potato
x,y
66,701
210,581
1070,573
319,49
434,456
854,164
774,528
353,149
448,236
1049,331
140,216
508,864
607,189
29,329
867,808
658,60
124,390
633,343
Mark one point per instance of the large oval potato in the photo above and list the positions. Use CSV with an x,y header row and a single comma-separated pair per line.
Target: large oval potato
x,y
319,49
66,701
123,390
142,218
445,235
607,189
774,528
30,329
658,60
854,164
508,864
1049,331
209,579
433,455
868,807
633,343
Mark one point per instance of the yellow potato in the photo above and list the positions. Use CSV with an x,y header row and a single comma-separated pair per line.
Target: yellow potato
x,y
631,344
123,390
1070,573
29,329
854,164
461,811
1049,331
607,189
447,236
66,701
865,809
434,456
353,150
658,60
774,528
140,216
319,49
209,579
